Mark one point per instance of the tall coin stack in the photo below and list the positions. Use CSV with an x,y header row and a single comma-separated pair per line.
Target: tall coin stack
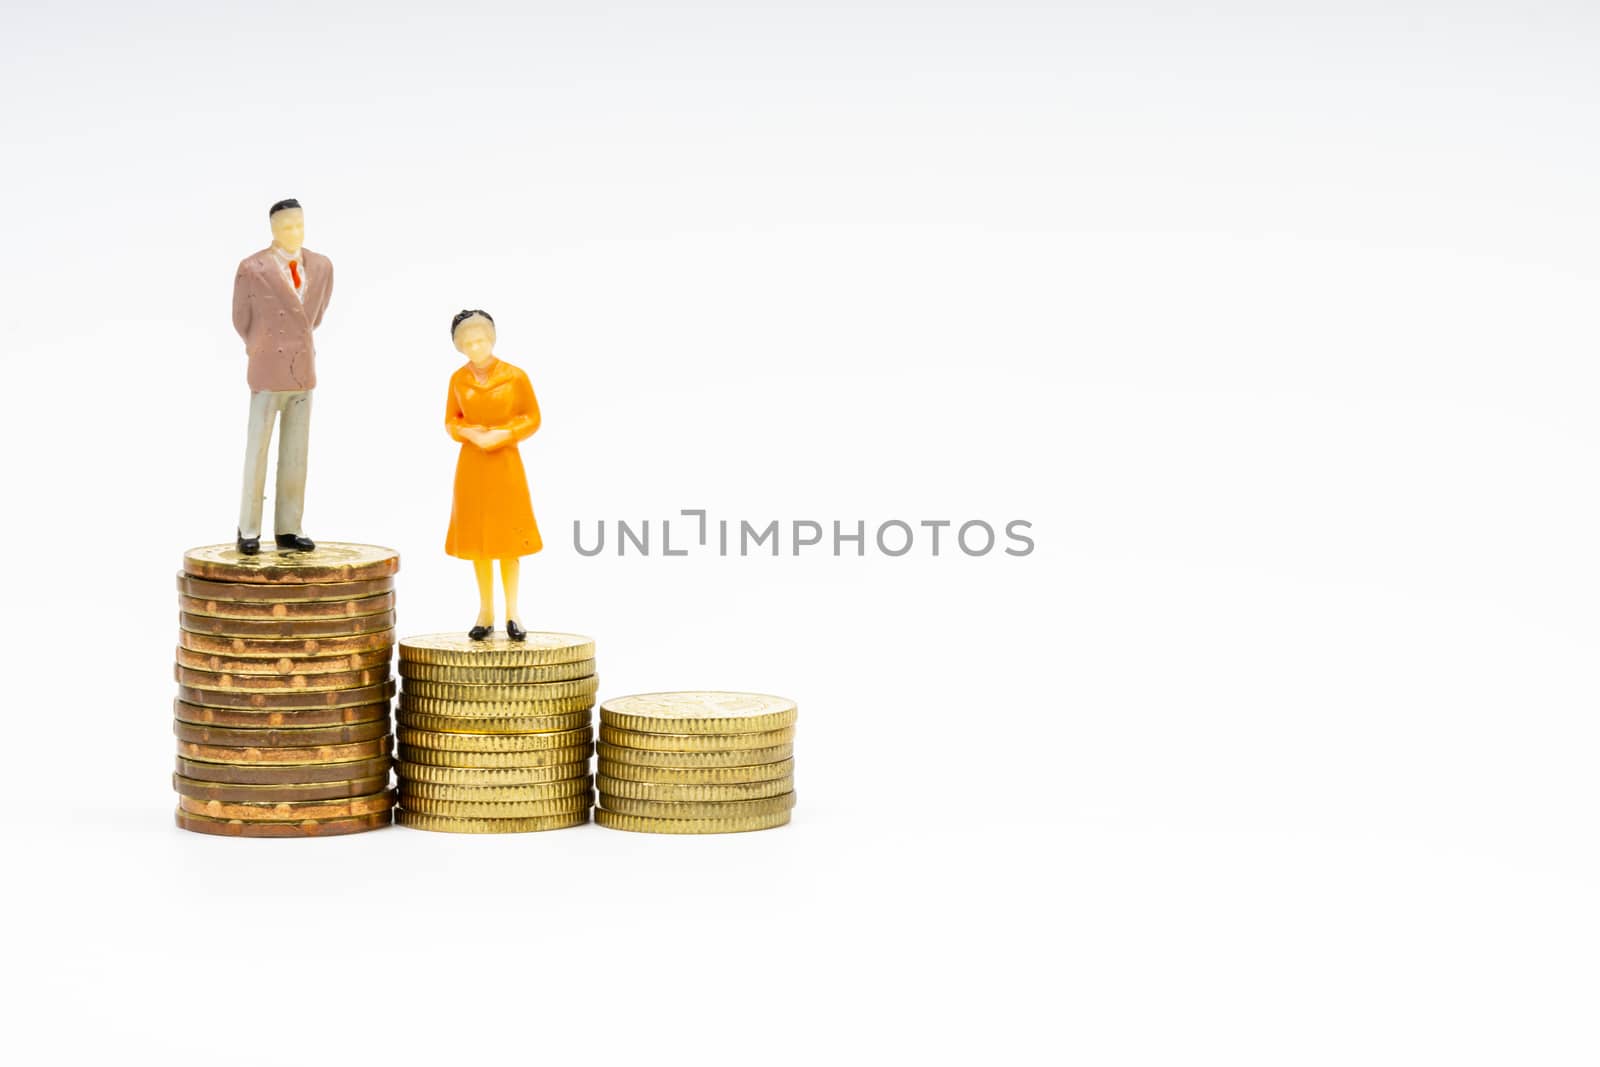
x,y
282,713
696,763
496,735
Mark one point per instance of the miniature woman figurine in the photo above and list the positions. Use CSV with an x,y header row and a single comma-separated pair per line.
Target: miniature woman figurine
x,y
490,408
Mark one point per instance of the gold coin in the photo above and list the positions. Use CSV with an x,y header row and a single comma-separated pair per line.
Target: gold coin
x,y
295,811
612,735
548,757
304,698
285,628
761,772
280,683
283,665
355,824
330,561
445,824
550,672
512,794
670,793
698,809
533,692
235,737
703,712
459,650
280,793
463,709
445,724
741,758
360,750
261,593
644,824
308,609
279,647
274,718
495,742
412,774
521,809
286,774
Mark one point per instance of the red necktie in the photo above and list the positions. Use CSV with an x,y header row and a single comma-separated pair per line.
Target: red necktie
x,y
294,272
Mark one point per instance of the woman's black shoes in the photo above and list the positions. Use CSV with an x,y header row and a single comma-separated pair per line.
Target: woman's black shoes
x,y
514,631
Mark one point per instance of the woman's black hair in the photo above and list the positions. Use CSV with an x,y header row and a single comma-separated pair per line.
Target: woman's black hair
x,y
463,316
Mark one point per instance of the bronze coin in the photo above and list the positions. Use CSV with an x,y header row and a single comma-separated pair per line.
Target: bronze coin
x,y
278,647
763,772
309,828
233,737
308,609
497,742
288,810
531,725
330,561
419,773
281,774
570,787
661,742
548,757
261,593
329,698
314,754
361,624
272,718
743,757
275,794
283,666
547,672
280,683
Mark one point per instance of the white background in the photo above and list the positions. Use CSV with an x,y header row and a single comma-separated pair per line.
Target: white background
x,y
1276,321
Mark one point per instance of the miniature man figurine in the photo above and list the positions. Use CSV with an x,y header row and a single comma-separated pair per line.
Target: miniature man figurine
x,y
279,296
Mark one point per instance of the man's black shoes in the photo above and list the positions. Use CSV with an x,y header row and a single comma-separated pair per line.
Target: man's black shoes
x,y
295,543
248,546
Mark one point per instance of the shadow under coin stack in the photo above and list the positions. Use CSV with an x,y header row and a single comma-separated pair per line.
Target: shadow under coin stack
x,y
696,763
496,735
282,713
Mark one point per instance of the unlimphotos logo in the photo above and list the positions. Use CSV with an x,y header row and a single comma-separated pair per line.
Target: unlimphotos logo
x,y
729,537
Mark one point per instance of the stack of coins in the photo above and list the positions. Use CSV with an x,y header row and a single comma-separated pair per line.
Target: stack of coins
x,y
696,763
282,713
496,735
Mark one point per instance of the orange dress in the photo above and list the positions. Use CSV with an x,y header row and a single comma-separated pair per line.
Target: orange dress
x,y
491,516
